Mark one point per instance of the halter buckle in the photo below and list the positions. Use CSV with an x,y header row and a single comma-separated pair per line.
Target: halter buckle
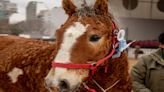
x,y
94,64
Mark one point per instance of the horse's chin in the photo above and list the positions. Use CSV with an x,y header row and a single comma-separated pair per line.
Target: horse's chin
x,y
74,89
53,89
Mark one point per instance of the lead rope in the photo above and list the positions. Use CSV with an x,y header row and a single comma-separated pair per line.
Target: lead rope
x,y
102,89
88,88
105,90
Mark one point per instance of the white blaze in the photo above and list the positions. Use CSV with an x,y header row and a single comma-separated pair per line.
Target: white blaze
x,y
63,56
70,37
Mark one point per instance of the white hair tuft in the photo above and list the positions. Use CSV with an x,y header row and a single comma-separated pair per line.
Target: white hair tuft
x,y
79,3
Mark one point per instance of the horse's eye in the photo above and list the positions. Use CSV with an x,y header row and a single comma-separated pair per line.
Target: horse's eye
x,y
94,38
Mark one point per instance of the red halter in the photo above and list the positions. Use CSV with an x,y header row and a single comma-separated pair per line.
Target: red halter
x,y
92,67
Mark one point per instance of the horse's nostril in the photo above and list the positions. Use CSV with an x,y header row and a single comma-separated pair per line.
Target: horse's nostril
x,y
64,85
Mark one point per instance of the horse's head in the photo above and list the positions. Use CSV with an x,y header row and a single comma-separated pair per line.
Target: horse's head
x,y
85,38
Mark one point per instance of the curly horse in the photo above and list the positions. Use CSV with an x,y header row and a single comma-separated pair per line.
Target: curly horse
x,y
85,56
24,64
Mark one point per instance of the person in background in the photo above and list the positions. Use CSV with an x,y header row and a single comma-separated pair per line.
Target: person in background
x,y
148,74
137,51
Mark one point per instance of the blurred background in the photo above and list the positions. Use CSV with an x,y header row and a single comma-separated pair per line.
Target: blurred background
x,y
143,21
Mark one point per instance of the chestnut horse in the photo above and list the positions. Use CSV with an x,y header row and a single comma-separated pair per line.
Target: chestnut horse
x,y
85,46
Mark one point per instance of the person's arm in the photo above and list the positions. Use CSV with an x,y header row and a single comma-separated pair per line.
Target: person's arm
x,y
138,74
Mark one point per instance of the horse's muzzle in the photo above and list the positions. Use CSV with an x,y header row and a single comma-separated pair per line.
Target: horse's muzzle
x,y
63,86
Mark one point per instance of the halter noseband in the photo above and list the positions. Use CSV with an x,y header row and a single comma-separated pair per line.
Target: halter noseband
x,y
92,67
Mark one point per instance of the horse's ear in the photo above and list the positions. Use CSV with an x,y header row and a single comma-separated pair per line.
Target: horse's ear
x,y
69,7
101,7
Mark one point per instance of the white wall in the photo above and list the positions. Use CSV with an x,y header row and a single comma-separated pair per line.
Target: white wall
x,y
54,19
138,29
142,29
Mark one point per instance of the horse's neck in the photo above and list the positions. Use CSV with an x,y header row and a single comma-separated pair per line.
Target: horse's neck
x,y
117,70
106,75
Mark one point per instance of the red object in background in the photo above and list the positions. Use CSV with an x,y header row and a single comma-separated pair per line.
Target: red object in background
x,y
146,44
